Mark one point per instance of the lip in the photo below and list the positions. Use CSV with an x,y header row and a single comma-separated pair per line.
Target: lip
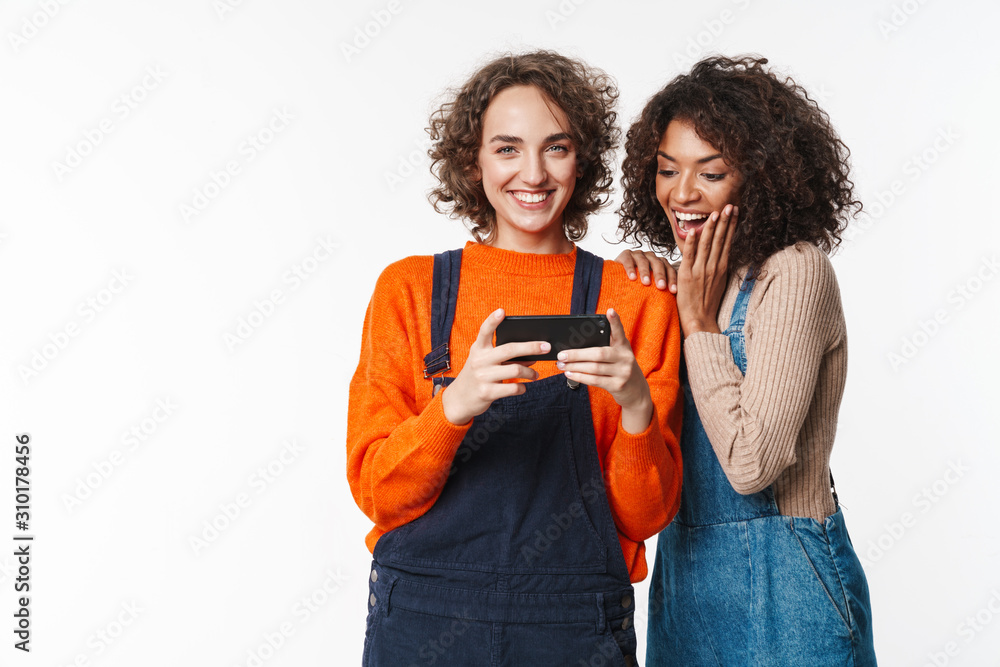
x,y
683,233
532,206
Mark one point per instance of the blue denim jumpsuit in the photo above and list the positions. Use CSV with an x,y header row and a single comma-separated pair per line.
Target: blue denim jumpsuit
x,y
518,561
736,583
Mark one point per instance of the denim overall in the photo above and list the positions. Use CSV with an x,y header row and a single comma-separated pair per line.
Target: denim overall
x,y
518,561
736,583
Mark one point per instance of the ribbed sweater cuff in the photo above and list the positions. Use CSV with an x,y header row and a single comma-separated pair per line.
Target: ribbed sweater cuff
x,y
441,438
709,358
640,451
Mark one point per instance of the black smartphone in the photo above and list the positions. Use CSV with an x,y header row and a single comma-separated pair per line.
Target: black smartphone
x,y
563,332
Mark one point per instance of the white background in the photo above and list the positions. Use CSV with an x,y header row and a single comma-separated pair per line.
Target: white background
x,y
86,356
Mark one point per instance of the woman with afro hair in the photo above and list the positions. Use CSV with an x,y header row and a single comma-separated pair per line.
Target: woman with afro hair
x,y
740,171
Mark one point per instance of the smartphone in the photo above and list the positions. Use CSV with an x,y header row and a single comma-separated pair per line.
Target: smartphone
x,y
563,332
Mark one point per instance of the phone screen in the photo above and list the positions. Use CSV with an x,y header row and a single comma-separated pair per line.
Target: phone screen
x,y
563,332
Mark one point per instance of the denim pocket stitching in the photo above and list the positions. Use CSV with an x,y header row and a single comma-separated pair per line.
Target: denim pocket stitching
x,y
826,590
843,588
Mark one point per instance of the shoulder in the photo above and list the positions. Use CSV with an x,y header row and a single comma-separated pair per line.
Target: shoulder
x,y
801,269
800,282
408,269
615,283
643,309
406,273
801,260
404,283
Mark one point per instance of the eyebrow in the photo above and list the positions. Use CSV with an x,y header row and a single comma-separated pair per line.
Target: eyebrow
x,y
701,161
511,139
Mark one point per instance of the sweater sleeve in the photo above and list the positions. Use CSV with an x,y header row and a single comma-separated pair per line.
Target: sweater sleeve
x,y
753,421
643,470
398,453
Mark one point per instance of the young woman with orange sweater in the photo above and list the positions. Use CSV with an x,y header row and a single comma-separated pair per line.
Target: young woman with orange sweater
x,y
511,500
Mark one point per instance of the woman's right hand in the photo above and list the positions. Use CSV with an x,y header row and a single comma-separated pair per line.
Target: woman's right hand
x,y
641,264
481,380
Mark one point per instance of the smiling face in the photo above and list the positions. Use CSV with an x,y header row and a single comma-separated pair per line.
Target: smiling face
x,y
692,179
527,163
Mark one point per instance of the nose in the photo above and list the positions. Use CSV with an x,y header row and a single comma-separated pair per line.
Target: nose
x,y
686,191
533,171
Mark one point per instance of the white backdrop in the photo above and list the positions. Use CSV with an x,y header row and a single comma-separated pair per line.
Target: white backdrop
x,y
197,198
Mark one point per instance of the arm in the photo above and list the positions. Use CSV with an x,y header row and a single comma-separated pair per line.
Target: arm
x,y
754,422
641,452
398,453
643,471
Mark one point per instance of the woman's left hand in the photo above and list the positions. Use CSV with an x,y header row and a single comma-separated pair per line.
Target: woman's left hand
x,y
614,369
704,272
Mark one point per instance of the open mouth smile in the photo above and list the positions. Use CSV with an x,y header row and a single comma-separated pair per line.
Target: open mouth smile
x,y
690,222
531,197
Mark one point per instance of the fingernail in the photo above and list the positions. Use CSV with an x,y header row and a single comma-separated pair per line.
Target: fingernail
x,y
661,284
631,276
545,347
562,356
498,313
645,280
561,365
568,374
673,289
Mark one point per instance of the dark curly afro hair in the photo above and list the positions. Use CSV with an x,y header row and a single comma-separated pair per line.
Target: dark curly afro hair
x,y
795,170
586,95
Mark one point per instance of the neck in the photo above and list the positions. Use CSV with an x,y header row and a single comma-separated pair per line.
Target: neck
x,y
553,243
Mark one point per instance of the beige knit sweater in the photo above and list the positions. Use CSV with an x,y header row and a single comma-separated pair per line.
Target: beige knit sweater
x,y
777,424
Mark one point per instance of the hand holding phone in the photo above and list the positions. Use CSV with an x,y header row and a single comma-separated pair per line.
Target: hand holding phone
x,y
615,370
485,374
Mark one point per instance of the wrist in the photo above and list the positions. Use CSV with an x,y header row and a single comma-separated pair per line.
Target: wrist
x,y
637,415
699,325
452,408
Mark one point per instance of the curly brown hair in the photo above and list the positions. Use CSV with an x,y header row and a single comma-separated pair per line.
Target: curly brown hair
x,y
795,170
585,94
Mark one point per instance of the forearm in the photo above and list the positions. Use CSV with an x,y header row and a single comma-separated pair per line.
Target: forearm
x,y
752,422
643,470
397,470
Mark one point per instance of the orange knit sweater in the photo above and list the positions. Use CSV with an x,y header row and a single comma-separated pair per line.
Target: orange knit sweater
x,y
400,446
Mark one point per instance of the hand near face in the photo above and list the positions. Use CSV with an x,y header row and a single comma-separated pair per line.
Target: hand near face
x,y
703,274
614,369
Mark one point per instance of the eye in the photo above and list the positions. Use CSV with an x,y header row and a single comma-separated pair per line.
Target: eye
x,y
559,148
665,172
714,177
505,150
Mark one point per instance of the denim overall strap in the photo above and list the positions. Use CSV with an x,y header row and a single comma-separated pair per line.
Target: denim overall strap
x,y
447,269
736,322
586,282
